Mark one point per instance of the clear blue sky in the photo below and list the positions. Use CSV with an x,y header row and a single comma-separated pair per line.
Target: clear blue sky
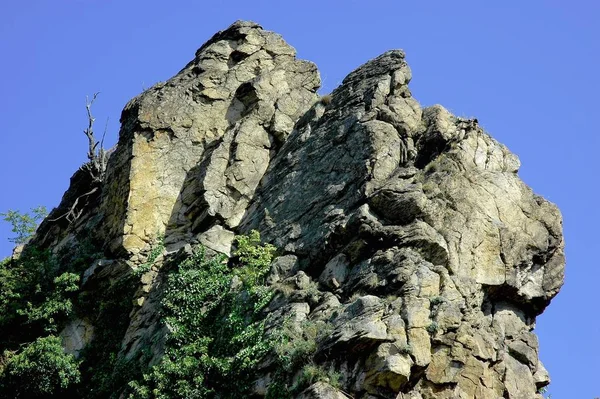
x,y
528,70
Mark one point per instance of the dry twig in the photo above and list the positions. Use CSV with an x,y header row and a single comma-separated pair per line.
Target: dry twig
x,y
97,158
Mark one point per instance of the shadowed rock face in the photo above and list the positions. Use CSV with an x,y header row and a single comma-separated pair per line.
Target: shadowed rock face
x,y
432,257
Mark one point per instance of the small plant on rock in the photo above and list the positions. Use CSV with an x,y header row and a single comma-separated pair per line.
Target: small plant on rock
x,y
157,249
433,328
437,300
405,349
312,373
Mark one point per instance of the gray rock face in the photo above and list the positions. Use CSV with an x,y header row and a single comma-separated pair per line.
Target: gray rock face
x,y
432,257
193,150
76,335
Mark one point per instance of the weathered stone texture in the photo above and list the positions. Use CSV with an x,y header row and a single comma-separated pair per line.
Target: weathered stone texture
x,y
194,148
406,229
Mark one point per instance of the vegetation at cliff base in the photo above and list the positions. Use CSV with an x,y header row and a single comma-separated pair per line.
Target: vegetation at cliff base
x,y
39,370
212,308
35,296
38,295
36,299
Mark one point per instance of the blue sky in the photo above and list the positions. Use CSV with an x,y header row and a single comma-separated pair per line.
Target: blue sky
x,y
528,70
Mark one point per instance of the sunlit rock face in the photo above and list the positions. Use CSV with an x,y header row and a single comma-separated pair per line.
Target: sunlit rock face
x,y
419,243
193,149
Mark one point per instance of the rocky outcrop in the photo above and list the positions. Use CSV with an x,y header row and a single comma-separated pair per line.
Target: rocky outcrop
x,y
406,229
193,150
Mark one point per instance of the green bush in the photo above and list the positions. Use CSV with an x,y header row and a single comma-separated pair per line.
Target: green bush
x,y
217,335
436,300
24,224
155,252
35,298
38,289
294,349
254,258
312,373
41,369
56,306
213,308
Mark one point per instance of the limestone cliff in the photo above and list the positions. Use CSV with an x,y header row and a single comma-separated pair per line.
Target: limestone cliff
x,y
406,229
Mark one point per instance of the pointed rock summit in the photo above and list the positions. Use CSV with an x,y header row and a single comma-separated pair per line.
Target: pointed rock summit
x,y
406,231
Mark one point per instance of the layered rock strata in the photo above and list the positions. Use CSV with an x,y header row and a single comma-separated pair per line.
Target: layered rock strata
x,y
407,229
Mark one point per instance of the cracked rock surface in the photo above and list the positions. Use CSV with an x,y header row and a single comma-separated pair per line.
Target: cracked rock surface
x,y
407,229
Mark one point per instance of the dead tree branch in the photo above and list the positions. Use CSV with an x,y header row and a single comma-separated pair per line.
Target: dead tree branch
x,y
97,158
95,166
73,214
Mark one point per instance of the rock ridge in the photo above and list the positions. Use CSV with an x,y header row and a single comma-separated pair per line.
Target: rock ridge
x,y
407,229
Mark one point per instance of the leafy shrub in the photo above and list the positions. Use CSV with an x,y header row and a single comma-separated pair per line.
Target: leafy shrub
x,y
295,346
35,298
39,370
312,373
217,335
294,349
437,300
254,258
24,224
155,252
39,292
55,306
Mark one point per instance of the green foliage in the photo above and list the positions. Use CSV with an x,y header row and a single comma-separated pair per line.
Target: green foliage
x,y
294,348
217,335
213,308
24,224
432,328
41,369
405,349
255,258
436,300
34,296
312,373
38,294
36,291
155,252
55,306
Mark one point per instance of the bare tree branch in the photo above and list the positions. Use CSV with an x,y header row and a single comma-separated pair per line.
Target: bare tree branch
x,y
97,158
95,166
89,132
73,214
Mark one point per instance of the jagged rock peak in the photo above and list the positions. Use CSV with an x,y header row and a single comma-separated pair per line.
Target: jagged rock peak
x,y
404,229
237,100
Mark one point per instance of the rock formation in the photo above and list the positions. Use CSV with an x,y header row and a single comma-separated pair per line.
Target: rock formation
x,y
407,229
